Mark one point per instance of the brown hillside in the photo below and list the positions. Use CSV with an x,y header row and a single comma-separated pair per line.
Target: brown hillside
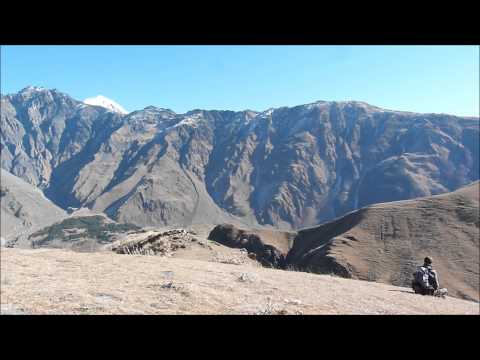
x,y
385,242
53,281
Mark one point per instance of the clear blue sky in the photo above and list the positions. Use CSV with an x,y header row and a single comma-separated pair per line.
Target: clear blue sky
x,y
441,79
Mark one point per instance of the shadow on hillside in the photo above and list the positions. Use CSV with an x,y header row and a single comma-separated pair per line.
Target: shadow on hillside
x,y
404,291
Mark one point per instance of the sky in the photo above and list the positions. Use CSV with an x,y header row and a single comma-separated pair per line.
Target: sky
x,y
430,79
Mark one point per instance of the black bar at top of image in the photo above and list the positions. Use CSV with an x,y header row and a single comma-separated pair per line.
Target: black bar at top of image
x,y
246,38
320,24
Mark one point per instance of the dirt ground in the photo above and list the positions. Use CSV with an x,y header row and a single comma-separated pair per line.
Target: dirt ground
x,y
53,281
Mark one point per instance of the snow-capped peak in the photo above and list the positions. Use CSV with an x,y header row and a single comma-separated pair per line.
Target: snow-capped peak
x,y
29,90
106,103
34,88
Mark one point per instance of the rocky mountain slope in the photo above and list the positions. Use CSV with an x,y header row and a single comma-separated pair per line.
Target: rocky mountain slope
x,y
52,281
287,168
23,209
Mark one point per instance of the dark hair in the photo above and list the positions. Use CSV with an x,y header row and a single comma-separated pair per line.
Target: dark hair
x,y
428,260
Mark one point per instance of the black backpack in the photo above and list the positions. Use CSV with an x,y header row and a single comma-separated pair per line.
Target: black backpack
x,y
420,276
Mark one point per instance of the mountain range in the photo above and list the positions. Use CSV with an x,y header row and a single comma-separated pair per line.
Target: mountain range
x,y
285,168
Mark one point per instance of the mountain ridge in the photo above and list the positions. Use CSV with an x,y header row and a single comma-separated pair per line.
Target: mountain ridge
x,y
31,88
288,167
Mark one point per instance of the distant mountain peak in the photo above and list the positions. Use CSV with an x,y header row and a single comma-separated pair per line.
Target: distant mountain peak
x,y
158,109
31,90
106,103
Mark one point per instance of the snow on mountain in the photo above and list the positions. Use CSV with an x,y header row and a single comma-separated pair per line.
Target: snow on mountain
x,y
106,103
33,88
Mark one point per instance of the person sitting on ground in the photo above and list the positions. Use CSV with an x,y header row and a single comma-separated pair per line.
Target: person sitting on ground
x,y
426,281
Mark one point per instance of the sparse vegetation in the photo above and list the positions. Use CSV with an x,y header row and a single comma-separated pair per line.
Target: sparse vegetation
x,y
94,227
240,259
272,309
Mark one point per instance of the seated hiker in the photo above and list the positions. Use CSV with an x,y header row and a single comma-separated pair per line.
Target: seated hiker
x,y
426,281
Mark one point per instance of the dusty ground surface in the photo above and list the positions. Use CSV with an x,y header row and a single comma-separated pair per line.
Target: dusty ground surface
x,y
53,281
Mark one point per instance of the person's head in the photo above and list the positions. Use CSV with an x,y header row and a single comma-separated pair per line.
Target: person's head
x,y
428,261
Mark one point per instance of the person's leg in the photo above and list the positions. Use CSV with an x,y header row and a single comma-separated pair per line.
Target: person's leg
x,y
421,290
433,279
417,288
427,290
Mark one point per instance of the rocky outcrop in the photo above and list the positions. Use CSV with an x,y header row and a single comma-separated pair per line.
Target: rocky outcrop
x,y
288,167
266,254
157,243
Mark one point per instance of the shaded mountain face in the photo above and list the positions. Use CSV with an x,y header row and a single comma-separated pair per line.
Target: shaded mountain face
x,y
23,209
287,167
268,247
385,242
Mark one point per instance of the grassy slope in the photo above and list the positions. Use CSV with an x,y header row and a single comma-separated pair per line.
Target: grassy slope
x,y
51,281
385,242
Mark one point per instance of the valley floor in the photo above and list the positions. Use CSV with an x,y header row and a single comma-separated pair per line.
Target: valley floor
x,y
50,281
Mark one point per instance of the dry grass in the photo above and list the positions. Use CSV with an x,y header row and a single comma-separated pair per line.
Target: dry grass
x,y
51,281
386,242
